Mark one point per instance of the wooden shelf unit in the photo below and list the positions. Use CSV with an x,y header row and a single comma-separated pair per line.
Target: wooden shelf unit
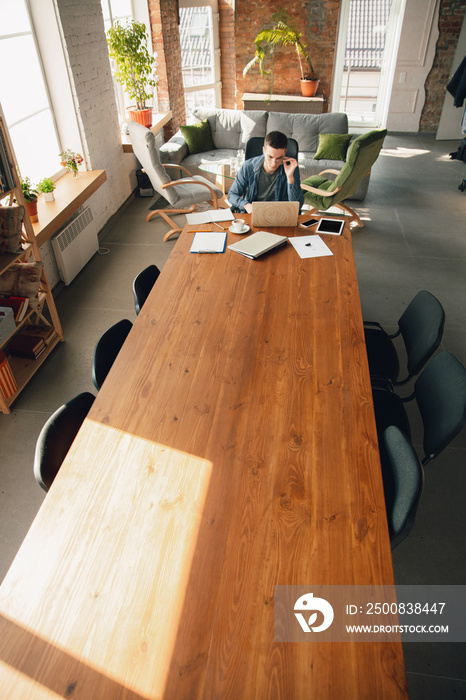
x,y
23,369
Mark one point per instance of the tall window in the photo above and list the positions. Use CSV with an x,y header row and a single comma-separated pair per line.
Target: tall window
x,y
24,96
122,11
200,55
365,60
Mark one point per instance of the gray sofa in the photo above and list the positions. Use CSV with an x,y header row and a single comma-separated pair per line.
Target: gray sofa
x,y
232,128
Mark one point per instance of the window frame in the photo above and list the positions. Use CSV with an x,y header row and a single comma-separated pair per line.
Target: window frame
x,y
48,108
216,84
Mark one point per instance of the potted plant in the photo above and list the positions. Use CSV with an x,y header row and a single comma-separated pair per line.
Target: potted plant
x,y
134,66
30,197
47,186
282,33
70,160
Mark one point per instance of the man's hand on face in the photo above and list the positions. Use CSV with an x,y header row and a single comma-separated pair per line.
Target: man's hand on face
x,y
290,165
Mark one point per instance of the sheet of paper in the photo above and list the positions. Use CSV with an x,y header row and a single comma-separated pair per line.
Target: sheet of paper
x,y
206,217
209,242
221,214
310,246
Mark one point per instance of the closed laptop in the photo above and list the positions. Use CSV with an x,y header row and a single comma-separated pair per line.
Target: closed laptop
x,y
258,243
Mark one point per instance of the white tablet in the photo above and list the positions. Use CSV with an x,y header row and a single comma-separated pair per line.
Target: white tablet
x,y
333,226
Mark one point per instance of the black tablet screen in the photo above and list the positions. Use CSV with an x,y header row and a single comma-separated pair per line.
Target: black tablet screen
x,y
328,226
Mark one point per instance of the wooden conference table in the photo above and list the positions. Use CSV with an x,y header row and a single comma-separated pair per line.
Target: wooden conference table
x,y
231,448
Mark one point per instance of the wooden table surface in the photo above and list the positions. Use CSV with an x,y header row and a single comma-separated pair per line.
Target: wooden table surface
x,y
231,448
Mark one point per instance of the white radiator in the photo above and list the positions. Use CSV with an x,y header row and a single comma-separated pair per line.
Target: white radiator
x,y
75,245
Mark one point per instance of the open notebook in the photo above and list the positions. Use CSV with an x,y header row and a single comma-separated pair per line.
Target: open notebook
x,y
258,243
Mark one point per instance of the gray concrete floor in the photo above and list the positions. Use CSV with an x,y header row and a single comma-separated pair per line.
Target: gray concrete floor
x,y
414,238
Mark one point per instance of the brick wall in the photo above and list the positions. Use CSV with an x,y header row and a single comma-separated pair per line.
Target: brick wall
x,y
318,21
86,51
227,48
164,13
451,17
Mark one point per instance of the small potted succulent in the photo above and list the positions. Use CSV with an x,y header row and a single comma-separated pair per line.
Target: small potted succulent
x,y
30,195
281,32
46,186
127,46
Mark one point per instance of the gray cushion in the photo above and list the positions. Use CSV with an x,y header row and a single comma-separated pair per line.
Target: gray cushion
x,y
174,150
193,194
305,128
225,125
231,128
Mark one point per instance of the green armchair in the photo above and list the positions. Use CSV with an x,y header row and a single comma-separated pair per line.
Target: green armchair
x,y
321,193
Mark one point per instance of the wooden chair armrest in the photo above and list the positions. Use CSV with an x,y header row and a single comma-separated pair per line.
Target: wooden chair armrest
x,y
181,167
315,190
330,170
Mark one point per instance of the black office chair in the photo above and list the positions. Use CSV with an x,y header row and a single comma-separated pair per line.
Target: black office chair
x,y
255,144
440,393
421,327
107,349
403,482
143,284
56,437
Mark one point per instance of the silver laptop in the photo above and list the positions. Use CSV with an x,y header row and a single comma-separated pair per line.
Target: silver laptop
x,y
275,213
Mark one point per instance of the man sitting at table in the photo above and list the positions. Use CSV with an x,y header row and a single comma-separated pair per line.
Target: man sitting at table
x,y
271,177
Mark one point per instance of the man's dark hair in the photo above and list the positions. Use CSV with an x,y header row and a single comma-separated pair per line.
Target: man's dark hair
x,y
276,139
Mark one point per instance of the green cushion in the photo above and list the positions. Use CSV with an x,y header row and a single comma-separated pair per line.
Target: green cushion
x,y
362,154
332,146
198,137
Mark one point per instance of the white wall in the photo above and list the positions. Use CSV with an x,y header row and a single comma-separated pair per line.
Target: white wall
x,y
415,58
93,101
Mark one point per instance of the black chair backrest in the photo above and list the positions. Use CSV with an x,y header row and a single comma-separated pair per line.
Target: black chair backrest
x,y
255,144
107,349
421,326
440,392
56,437
403,480
143,284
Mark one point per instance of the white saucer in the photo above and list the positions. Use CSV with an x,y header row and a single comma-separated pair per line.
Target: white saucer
x,y
240,233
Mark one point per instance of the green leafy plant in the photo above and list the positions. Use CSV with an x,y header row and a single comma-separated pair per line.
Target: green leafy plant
x,y
134,64
46,185
29,193
280,33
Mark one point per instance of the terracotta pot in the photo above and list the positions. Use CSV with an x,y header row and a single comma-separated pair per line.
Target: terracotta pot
x,y
309,87
32,210
142,116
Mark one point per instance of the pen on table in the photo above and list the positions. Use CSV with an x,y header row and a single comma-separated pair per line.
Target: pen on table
x,y
223,229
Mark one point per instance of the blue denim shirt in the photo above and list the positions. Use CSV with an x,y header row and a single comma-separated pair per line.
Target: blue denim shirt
x,y
244,188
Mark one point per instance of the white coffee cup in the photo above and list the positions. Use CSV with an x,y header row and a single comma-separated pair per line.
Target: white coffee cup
x,y
238,225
